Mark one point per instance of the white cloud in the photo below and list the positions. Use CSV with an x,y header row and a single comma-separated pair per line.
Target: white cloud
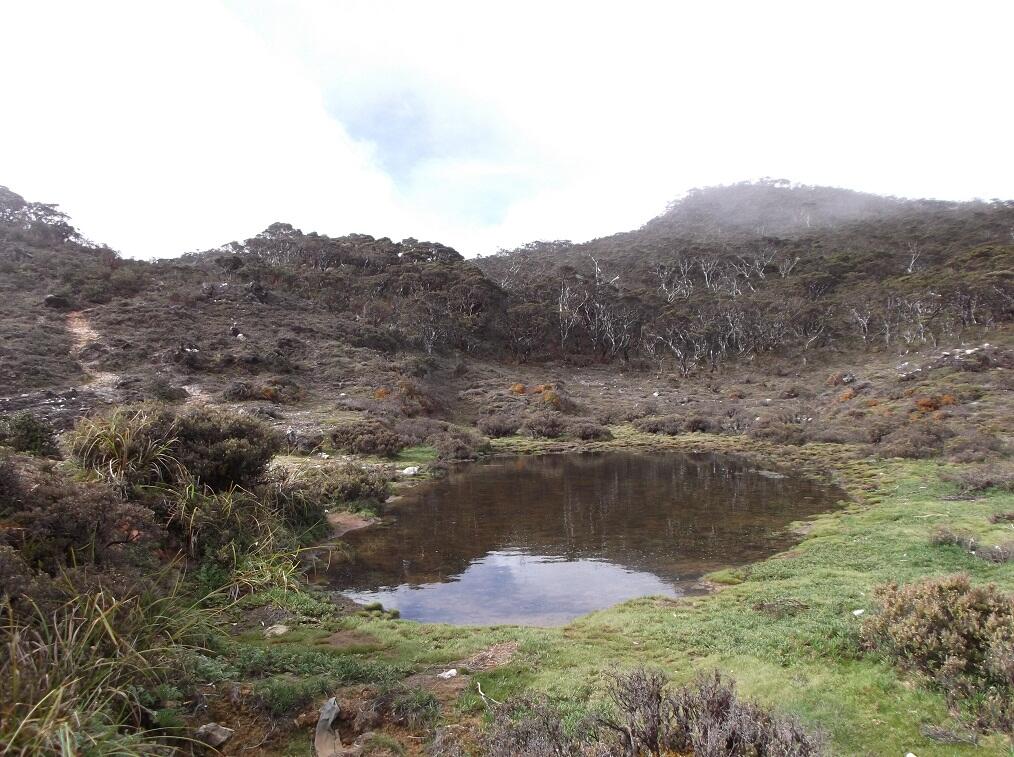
x,y
180,126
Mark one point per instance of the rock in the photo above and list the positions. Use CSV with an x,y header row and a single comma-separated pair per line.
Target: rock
x,y
278,629
858,613
57,301
411,470
326,740
304,440
448,674
213,734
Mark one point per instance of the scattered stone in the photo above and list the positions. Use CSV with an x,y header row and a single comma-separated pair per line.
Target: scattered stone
x,y
278,629
213,734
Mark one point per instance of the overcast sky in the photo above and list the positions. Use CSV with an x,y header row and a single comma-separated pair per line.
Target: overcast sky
x,y
174,126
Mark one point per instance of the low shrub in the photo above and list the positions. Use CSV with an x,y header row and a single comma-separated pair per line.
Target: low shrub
x,y
972,445
589,431
496,426
275,390
703,424
10,486
546,425
660,424
23,432
223,449
779,431
944,537
15,575
335,487
458,444
58,521
916,440
705,718
980,478
958,635
367,438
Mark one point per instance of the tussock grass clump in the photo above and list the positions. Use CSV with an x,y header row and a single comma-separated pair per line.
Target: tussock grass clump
x,y
413,708
79,679
128,447
209,523
960,636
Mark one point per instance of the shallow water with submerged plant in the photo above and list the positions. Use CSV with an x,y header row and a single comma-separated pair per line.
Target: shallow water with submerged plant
x,y
540,540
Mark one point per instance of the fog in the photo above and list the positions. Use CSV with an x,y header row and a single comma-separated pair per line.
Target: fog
x,y
163,128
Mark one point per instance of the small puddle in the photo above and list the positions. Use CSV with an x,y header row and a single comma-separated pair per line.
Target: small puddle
x,y
540,540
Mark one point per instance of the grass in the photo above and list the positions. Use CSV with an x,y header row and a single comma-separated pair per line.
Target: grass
x,y
417,455
80,679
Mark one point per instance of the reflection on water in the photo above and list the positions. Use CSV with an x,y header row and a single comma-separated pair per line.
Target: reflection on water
x,y
541,540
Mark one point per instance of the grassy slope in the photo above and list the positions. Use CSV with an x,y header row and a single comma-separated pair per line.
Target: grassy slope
x,y
805,662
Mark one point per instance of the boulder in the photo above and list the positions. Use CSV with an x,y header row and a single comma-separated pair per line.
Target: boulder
x,y
326,740
213,734
56,301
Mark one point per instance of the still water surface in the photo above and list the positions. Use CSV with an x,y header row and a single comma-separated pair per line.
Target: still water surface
x,y
542,540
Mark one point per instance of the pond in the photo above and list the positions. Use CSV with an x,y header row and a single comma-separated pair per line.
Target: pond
x,y
540,540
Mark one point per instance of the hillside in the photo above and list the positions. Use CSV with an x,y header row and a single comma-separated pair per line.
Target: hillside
x,y
185,445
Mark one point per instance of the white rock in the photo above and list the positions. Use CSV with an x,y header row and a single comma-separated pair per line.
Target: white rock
x,y
857,613
214,734
278,629
448,673
411,470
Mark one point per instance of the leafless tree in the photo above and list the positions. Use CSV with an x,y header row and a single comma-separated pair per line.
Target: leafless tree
x,y
914,253
786,264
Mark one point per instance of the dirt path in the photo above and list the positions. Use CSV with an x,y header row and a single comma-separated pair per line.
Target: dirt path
x,y
103,383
